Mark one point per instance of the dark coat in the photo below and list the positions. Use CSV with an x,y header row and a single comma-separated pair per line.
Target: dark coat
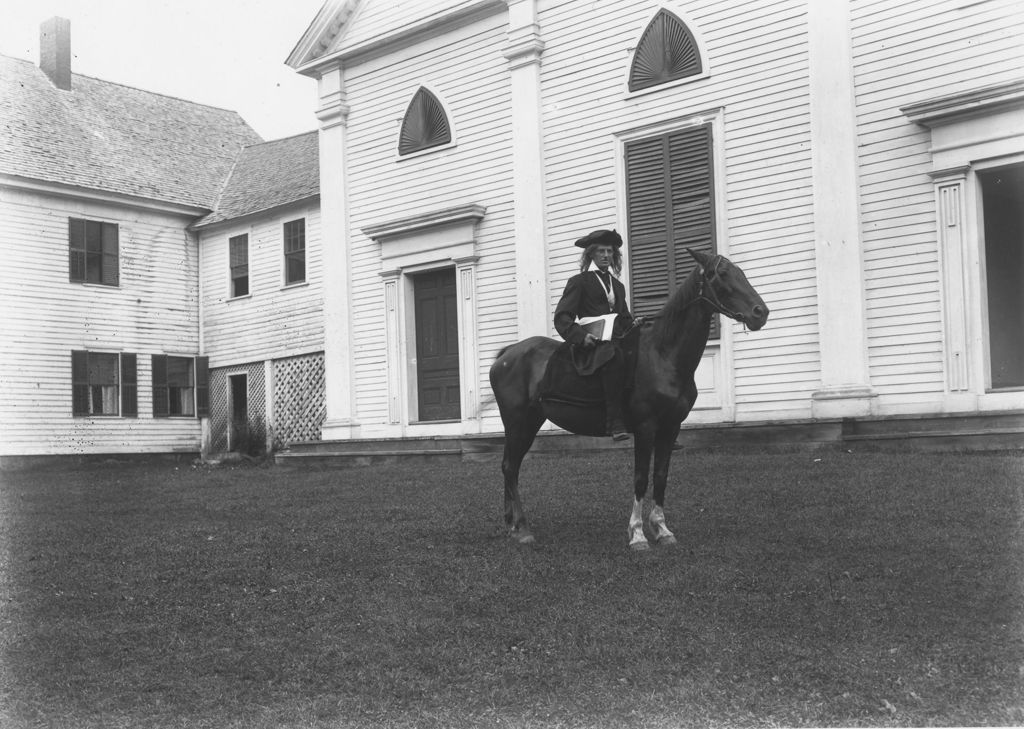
x,y
584,295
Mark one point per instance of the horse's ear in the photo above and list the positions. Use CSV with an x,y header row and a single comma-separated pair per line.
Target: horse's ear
x,y
702,258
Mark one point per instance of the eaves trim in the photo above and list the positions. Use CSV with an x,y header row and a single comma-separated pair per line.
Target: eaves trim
x,y
101,196
404,35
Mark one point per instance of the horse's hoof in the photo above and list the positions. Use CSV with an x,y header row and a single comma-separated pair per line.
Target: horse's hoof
x,y
666,541
640,546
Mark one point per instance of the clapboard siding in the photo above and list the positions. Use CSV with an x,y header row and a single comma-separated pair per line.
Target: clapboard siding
x,y
153,310
905,52
275,321
465,69
755,94
767,206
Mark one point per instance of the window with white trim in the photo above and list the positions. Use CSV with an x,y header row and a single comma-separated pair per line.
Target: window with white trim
x,y
181,386
103,383
295,251
93,252
238,252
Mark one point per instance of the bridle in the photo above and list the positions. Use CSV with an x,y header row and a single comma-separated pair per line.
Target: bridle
x,y
707,290
706,293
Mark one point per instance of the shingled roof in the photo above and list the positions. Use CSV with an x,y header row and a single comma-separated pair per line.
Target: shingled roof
x,y
105,136
269,175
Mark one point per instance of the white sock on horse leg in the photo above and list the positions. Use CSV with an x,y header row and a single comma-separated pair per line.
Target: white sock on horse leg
x,y
636,523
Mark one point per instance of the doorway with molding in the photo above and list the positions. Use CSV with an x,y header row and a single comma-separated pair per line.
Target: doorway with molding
x,y
435,303
238,413
1002,204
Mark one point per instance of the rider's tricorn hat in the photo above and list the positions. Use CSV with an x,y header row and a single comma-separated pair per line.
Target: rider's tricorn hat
x,y
605,237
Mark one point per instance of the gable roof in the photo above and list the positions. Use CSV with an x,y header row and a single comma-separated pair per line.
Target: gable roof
x,y
322,31
269,175
113,138
346,28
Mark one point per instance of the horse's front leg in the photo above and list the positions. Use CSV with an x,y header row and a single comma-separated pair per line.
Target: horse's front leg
x,y
663,444
642,446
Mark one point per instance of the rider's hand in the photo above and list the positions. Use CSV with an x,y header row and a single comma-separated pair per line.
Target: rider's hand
x,y
589,341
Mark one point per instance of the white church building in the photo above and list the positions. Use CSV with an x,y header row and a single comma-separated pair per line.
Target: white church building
x,y
861,160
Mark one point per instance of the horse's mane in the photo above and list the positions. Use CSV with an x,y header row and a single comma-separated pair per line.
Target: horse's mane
x,y
669,321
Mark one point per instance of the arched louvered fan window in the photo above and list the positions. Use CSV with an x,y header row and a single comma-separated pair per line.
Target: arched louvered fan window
x,y
425,124
666,52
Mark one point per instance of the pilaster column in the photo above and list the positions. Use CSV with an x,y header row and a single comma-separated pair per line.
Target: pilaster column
x,y
469,375
842,320
270,415
523,53
393,341
333,115
950,197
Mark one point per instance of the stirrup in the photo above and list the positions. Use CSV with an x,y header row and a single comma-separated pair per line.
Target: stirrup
x,y
617,431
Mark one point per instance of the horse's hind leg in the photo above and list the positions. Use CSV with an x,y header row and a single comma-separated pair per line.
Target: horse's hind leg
x,y
518,440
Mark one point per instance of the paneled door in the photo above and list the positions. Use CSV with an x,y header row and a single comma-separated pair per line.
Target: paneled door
x,y
437,345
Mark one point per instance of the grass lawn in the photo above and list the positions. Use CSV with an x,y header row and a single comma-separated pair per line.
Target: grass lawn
x,y
829,589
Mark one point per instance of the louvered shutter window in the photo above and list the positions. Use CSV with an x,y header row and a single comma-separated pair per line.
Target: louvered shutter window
x,y
670,199
666,52
79,382
76,249
129,386
108,246
203,387
425,124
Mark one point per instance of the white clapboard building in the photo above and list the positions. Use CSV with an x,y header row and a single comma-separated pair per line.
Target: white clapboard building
x,y
862,161
124,326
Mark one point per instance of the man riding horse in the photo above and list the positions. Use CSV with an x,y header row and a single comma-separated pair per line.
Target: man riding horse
x,y
662,391
590,295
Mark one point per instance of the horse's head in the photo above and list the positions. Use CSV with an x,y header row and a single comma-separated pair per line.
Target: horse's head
x,y
725,287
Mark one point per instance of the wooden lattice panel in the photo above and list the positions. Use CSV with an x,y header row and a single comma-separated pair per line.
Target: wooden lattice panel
x,y
218,411
299,399
220,403
257,400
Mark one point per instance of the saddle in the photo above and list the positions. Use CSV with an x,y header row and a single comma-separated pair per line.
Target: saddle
x,y
571,376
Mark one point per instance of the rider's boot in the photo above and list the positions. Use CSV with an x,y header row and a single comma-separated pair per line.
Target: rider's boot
x,y
612,376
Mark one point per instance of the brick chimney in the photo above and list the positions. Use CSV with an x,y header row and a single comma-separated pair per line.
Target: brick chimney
x,y
55,51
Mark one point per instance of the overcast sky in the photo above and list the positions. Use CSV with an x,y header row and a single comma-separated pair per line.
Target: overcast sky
x,y
226,53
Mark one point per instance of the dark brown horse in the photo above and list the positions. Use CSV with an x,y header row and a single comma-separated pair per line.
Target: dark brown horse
x,y
668,353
